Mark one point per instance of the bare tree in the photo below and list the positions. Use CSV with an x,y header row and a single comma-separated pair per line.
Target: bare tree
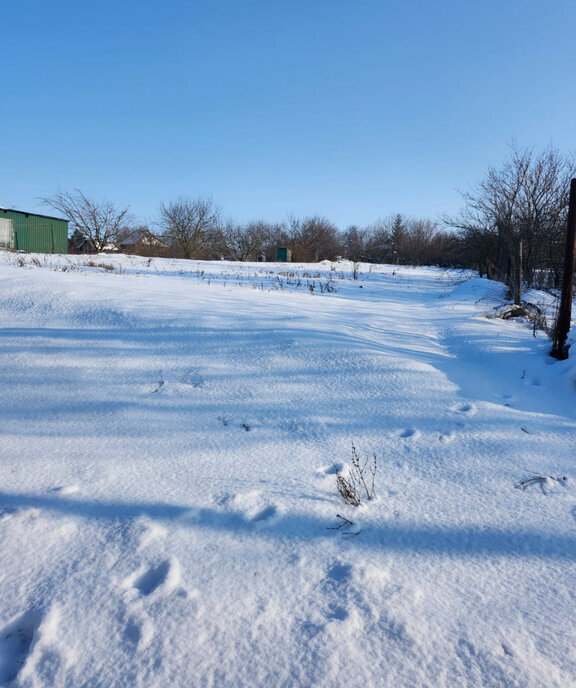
x,y
386,240
190,225
312,239
526,200
403,240
377,242
418,242
98,222
354,243
243,242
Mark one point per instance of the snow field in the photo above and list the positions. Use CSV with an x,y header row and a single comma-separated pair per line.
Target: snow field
x,y
169,435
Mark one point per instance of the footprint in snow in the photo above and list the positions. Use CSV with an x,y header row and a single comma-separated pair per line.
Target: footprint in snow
x,y
139,631
337,613
149,532
65,490
446,437
152,579
149,583
163,577
409,432
193,378
332,601
332,469
222,498
16,639
339,574
7,512
352,592
291,426
251,506
466,408
265,514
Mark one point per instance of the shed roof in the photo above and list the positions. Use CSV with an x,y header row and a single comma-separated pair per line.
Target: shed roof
x,y
23,212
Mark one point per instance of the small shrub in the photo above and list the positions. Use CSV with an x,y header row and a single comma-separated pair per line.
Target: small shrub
x,y
328,286
360,481
108,267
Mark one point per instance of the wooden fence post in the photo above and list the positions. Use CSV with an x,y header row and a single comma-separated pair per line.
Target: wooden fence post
x,y
562,326
518,276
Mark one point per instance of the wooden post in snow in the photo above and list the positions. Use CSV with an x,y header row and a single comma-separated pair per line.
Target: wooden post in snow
x,y
562,326
518,276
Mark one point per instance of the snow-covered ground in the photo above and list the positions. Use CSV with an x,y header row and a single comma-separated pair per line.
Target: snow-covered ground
x,y
168,503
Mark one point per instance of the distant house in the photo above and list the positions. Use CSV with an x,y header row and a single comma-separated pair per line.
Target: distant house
x,y
143,243
22,231
87,246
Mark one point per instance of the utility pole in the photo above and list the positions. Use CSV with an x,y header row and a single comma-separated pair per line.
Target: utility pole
x,y
562,327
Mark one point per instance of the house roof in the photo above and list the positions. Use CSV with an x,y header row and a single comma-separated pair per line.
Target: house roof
x,y
140,234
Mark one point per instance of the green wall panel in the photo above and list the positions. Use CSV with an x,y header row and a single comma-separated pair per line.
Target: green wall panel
x,y
37,233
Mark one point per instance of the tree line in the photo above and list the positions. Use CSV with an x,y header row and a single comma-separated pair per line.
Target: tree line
x,y
195,229
520,206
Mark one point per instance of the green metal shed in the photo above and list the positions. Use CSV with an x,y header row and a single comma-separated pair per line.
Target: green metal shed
x,y
284,255
33,233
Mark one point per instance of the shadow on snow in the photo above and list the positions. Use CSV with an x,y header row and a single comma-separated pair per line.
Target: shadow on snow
x,y
452,542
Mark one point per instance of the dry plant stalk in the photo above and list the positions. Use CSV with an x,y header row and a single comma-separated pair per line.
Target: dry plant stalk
x,y
347,490
360,479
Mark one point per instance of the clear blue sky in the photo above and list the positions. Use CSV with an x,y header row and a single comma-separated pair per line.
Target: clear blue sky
x,y
349,109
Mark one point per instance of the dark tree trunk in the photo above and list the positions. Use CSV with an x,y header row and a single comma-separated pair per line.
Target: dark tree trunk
x,y
562,327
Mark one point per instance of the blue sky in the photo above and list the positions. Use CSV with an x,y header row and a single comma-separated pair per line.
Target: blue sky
x,y
348,109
